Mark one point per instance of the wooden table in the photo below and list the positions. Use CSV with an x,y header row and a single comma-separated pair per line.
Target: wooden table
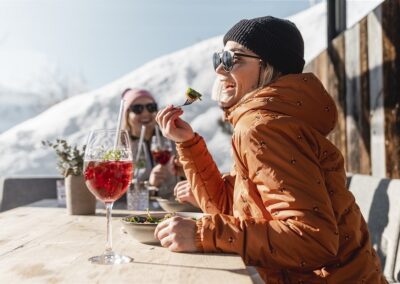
x,y
45,245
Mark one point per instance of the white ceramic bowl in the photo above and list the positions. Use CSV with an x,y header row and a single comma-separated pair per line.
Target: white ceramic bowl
x,y
169,205
144,233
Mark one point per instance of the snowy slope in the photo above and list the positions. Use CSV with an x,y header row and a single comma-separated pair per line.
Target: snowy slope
x,y
167,78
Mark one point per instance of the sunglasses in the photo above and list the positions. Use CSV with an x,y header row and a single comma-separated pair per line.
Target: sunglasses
x,y
138,108
226,59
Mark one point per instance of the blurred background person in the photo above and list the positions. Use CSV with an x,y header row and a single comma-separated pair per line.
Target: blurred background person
x,y
140,108
165,172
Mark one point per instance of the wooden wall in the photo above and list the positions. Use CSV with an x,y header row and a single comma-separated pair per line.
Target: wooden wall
x,y
361,71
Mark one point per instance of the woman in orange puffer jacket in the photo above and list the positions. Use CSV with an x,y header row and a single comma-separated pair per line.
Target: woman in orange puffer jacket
x,y
285,207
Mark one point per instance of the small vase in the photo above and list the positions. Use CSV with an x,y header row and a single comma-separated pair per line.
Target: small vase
x,y
80,201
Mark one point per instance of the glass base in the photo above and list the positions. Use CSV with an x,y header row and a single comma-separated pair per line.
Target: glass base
x,y
108,259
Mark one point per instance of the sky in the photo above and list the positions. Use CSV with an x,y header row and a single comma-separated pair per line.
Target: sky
x,y
102,40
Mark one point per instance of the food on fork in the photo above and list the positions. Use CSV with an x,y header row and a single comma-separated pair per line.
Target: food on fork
x,y
192,96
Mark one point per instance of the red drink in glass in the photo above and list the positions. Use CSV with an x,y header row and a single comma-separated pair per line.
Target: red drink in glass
x,y
108,173
108,180
161,156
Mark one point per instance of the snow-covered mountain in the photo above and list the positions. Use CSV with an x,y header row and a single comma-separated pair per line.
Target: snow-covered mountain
x,y
167,78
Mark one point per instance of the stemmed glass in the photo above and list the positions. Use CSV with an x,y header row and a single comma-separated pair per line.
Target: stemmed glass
x,y
108,170
161,150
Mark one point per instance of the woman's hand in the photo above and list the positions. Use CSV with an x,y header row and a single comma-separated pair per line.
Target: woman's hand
x,y
172,126
175,167
184,193
158,175
177,234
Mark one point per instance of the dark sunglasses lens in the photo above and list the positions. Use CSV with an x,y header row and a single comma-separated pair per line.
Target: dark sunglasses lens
x,y
216,60
227,61
152,107
137,109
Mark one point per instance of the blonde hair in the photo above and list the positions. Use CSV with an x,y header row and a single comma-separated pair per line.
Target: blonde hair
x,y
268,75
124,123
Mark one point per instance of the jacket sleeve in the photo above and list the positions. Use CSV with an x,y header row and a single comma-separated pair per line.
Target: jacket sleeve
x,y
213,192
282,162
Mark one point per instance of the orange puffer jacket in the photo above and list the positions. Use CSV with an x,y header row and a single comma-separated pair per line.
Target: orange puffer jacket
x,y
285,207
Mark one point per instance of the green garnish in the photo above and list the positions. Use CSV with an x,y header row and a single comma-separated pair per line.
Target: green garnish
x,y
141,164
112,155
193,95
147,219
150,219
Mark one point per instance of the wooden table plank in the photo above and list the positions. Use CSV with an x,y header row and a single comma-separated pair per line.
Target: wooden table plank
x,y
46,245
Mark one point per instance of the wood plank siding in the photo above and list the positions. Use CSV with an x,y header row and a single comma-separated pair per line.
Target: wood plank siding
x,y
361,71
391,84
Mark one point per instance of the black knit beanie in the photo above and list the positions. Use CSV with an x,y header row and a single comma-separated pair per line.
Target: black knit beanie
x,y
277,41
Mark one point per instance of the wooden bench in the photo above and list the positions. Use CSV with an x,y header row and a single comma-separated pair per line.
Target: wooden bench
x,y
379,202
23,190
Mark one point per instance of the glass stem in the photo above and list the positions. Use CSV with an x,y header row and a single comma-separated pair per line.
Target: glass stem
x,y
109,250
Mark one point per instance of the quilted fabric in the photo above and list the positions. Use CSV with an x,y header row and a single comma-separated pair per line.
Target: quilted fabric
x,y
284,207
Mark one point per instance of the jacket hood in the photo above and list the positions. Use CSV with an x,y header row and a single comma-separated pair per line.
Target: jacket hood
x,y
298,95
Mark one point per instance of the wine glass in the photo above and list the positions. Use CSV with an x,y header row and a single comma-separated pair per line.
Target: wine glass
x,y
161,150
108,170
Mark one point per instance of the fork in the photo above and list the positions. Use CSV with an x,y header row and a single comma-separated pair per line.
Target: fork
x,y
189,101
192,96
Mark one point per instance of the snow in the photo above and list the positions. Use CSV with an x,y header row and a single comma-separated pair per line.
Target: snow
x,y
166,77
